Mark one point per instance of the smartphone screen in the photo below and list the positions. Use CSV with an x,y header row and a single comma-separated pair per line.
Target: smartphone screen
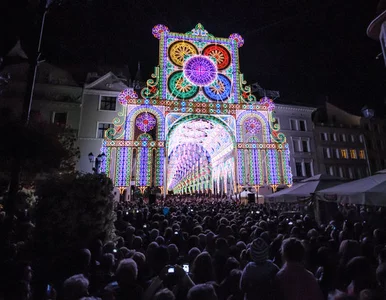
x,y
186,268
171,270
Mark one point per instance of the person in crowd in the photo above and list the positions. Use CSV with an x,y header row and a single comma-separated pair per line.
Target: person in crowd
x,y
202,292
232,251
293,281
75,287
258,276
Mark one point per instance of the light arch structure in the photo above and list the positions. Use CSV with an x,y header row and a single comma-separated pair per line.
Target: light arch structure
x,y
197,79
200,155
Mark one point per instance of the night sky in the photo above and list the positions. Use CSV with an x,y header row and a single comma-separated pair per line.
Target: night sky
x,y
306,49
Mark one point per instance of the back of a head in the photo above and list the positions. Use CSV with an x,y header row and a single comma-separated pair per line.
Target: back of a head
x,y
202,268
293,250
202,292
75,287
107,261
164,294
126,272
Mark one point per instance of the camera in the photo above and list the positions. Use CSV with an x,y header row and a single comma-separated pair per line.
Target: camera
x,y
171,270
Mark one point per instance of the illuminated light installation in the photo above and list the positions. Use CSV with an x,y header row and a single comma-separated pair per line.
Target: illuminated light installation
x,y
145,122
196,127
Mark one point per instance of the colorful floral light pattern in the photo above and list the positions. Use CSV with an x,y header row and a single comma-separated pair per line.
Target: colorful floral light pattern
x,y
125,95
252,126
196,112
145,122
158,30
238,38
200,70
220,90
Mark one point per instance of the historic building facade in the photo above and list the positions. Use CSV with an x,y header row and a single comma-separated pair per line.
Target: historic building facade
x,y
348,145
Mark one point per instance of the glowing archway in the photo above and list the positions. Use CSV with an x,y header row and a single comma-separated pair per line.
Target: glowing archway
x,y
200,153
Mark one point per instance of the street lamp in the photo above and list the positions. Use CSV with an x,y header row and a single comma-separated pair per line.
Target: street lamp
x,y
26,109
96,162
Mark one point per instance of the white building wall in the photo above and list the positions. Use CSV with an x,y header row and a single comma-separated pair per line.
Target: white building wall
x,y
296,123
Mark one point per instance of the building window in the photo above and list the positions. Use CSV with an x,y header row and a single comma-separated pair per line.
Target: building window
x,y
323,136
359,173
102,127
306,146
351,173
299,169
343,153
277,121
326,153
333,137
341,173
60,119
307,167
342,137
353,154
296,143
108,103
302,125
293,124
362,154
330,170
334,153
352,138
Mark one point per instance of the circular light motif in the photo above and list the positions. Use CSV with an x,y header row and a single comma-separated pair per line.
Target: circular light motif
x,y
220,54
238,38
145,122
126,95
180,87
178,51
252,126
219,90
158,30
200,70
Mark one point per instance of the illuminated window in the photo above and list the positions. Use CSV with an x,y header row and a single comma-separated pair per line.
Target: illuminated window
x,y
362,154
353,154
343,153
342,137
108,103
353,138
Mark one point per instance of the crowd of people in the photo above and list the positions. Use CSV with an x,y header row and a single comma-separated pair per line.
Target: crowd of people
x,y
210,249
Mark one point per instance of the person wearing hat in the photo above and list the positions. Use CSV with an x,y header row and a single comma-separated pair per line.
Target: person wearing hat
x,y
258,276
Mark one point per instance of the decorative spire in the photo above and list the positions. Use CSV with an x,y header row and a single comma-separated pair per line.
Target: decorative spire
x,y
138,75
